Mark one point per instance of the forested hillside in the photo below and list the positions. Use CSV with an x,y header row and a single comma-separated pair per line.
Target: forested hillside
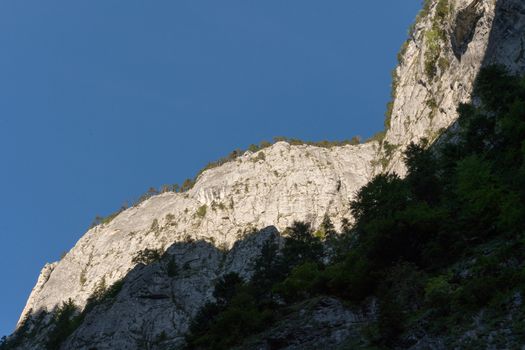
x,y
439,254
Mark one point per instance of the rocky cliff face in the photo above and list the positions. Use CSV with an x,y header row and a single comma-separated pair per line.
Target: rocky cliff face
x,y
449,43
154,307
287,184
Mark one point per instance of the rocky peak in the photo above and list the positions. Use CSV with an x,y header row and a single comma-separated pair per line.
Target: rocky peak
x,y
447,46
449,43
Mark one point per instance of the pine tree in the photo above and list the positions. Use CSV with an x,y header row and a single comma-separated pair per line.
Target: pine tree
x,y
327,227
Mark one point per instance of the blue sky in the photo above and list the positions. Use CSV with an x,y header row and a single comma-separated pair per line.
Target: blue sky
x,y
99,100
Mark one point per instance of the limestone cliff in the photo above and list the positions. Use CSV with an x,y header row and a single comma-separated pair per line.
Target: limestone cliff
x,y
449,43
290,183
447,46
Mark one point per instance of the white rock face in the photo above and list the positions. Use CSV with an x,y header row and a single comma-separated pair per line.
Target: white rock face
x,y
477,33
153,310
288,183
291,183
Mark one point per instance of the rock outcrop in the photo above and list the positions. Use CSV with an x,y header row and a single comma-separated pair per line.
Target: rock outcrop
x,y
448,45
322,323
155,306
290,183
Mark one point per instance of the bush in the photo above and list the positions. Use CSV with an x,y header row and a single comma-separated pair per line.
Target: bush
x,y
226,288
187,185
352,279
303,281
147,256
267,267
438,292
236,315
381,197
432,52
201,211
260,156
241,319
460,204
66,320
300,246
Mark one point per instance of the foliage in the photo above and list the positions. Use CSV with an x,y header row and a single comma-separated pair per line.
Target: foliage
x,y
422,172
301,283
438,292
434,248
378,136
455,198
266,267
434,38
442,10
68,317
100,220
300,246
147,256
189,183
244,308
113,290
66,320
433,50
201,211
327,228
385,194
260,156
325,144
155,225
235,314
226,288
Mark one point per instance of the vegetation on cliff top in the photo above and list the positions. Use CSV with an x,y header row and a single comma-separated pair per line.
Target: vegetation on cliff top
x,y
440,251
190,182
437,250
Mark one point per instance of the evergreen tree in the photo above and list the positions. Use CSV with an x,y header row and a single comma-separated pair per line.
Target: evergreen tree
x,y
266,269
422,172
301,246
327,227
227,287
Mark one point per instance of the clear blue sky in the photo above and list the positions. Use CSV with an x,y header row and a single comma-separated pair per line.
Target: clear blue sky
x,y
100,100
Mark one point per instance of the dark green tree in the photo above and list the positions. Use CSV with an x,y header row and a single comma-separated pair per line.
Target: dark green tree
x,y
66,320
266,268
226,288
380,198
327,227
422,172
300,246
187,185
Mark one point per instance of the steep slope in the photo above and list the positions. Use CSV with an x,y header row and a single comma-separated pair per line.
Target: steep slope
x,y
155,306
449,43
290,183
447,46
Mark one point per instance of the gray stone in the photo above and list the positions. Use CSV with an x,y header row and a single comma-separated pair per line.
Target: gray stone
x,y
290,183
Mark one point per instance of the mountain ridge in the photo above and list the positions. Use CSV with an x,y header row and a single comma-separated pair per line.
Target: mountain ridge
x,y
301,182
